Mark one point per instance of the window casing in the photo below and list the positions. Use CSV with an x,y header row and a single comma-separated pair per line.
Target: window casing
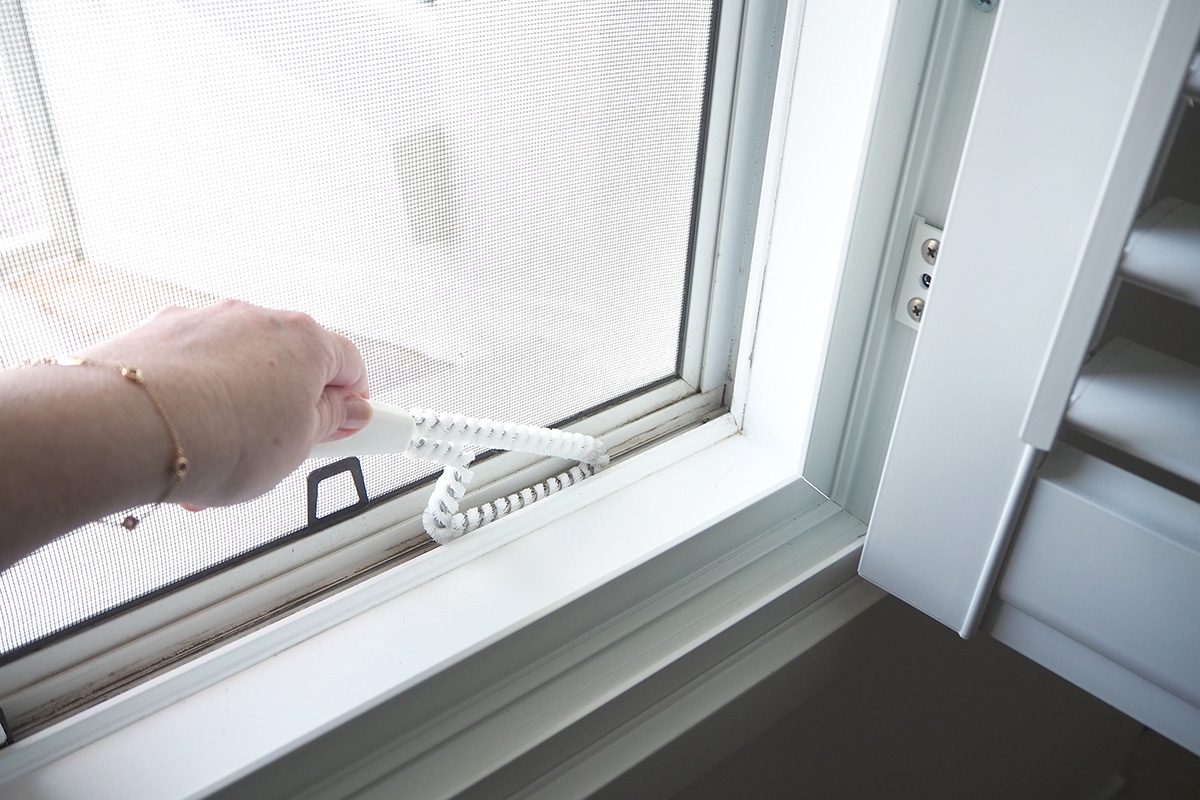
x,y
668,493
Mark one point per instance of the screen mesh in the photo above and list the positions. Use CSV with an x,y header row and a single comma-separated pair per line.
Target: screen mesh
x,y
493,200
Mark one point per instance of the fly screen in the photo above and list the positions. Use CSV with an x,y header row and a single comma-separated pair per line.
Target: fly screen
x,y
493,200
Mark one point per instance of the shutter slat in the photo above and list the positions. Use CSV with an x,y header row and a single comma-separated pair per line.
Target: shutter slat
x,y
1144,403
1163,252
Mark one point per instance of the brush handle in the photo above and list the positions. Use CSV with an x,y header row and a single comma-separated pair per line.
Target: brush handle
x,y
390,430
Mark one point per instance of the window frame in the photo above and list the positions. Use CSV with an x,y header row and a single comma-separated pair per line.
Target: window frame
x,y
707,502
67,671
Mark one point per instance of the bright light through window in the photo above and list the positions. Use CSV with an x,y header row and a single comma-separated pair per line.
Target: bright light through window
x,y
494,200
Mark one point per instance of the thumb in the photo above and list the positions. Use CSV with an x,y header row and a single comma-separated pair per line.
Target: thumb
x,y
340,413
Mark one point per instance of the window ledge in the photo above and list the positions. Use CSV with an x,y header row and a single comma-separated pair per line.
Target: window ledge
x,y
447,668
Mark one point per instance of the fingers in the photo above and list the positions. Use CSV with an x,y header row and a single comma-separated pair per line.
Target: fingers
x,y
347,369
340,413
341,408
358,414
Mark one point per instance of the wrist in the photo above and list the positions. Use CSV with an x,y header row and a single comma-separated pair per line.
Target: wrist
x,y
85,443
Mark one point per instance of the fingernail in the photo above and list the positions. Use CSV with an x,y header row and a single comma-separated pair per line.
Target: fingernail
x,y
358,413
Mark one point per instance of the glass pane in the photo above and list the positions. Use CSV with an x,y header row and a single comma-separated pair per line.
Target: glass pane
x,y
492,199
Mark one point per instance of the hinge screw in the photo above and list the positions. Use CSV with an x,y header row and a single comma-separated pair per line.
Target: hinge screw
x,y
916,307
929,250
986,5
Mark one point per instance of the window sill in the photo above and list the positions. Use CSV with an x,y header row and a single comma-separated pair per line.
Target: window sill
x,y
497,641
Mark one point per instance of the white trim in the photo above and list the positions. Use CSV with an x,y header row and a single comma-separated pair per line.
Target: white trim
x,y
881,218
1147,118
820,144
701,283
765,220
658,721
345,655
1091,671
758,61
956,49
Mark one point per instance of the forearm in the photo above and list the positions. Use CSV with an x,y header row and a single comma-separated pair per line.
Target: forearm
x,y
76,443
243,391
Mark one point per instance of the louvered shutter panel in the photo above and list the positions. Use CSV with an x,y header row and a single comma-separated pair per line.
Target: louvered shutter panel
x,y
1008,500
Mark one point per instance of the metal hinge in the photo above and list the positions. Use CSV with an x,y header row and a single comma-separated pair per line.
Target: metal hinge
x,y
5,731
920,258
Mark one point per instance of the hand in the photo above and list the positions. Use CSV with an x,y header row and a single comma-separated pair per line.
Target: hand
x,y
250,391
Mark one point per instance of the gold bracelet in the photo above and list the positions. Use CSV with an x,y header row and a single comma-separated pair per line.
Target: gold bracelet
x,y
178,469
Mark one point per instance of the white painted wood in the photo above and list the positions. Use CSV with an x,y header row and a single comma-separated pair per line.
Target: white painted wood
x,y
1147,117
880,218
758,63
946,89
1038,156
1102,677
648,722
709,291
1092,543
1143,403
440,642
1163,252
806,217
465,766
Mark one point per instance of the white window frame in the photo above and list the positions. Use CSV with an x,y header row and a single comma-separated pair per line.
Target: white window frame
x,y
67,672
538,649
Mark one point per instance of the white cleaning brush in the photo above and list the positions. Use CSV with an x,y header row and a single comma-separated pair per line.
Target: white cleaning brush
x,y
443,438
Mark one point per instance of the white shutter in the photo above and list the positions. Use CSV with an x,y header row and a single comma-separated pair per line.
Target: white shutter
x,y
1102,577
